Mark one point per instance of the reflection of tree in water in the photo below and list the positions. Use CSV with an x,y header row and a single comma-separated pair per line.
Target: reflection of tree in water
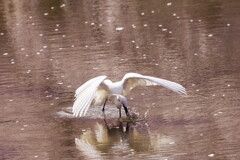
x,y
119,138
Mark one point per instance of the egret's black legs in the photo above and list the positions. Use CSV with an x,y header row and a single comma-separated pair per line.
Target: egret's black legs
x,y
126,111
103,109
120,114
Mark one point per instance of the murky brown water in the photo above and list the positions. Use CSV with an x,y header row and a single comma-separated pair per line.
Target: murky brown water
x,y
49,48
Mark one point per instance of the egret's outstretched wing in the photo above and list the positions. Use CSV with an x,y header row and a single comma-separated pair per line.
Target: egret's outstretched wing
x,y
85,94
131,80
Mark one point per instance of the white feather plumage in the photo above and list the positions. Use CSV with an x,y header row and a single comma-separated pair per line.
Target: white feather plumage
x,y
99,88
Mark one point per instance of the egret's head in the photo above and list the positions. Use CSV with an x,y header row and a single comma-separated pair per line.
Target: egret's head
x,y
122,99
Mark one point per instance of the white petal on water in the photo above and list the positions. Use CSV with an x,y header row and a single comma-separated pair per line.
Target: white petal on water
x,y
119,28
170,32
174,14
38,53
133,41
142,13
33,24
73,45
63,5
5,54
69,86
178,17
108,20
133,26
191,20
137,46
51,104
57,25
152,11
1,33
169,4
45,46
92,24
86,46
228,24
40,34
60,83
199,20
145,25
197,90
46,14
210,35
100,25
63,35
10,100
12,62
171,142
228,85
56,29
60,48
22,129
211,155
156,64
52,7
160,25
164,29
36,156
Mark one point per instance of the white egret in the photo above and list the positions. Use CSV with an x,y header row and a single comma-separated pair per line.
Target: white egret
x,y
118,101
99,89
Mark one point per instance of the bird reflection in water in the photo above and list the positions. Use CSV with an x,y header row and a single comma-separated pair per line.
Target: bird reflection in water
x,y
119,138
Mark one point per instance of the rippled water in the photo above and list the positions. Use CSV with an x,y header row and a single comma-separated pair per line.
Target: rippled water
x,y
49,48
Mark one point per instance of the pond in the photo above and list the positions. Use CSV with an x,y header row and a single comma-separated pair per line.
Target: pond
x,y
50,48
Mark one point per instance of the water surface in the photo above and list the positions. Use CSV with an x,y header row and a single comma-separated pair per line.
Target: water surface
x,y
49,48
